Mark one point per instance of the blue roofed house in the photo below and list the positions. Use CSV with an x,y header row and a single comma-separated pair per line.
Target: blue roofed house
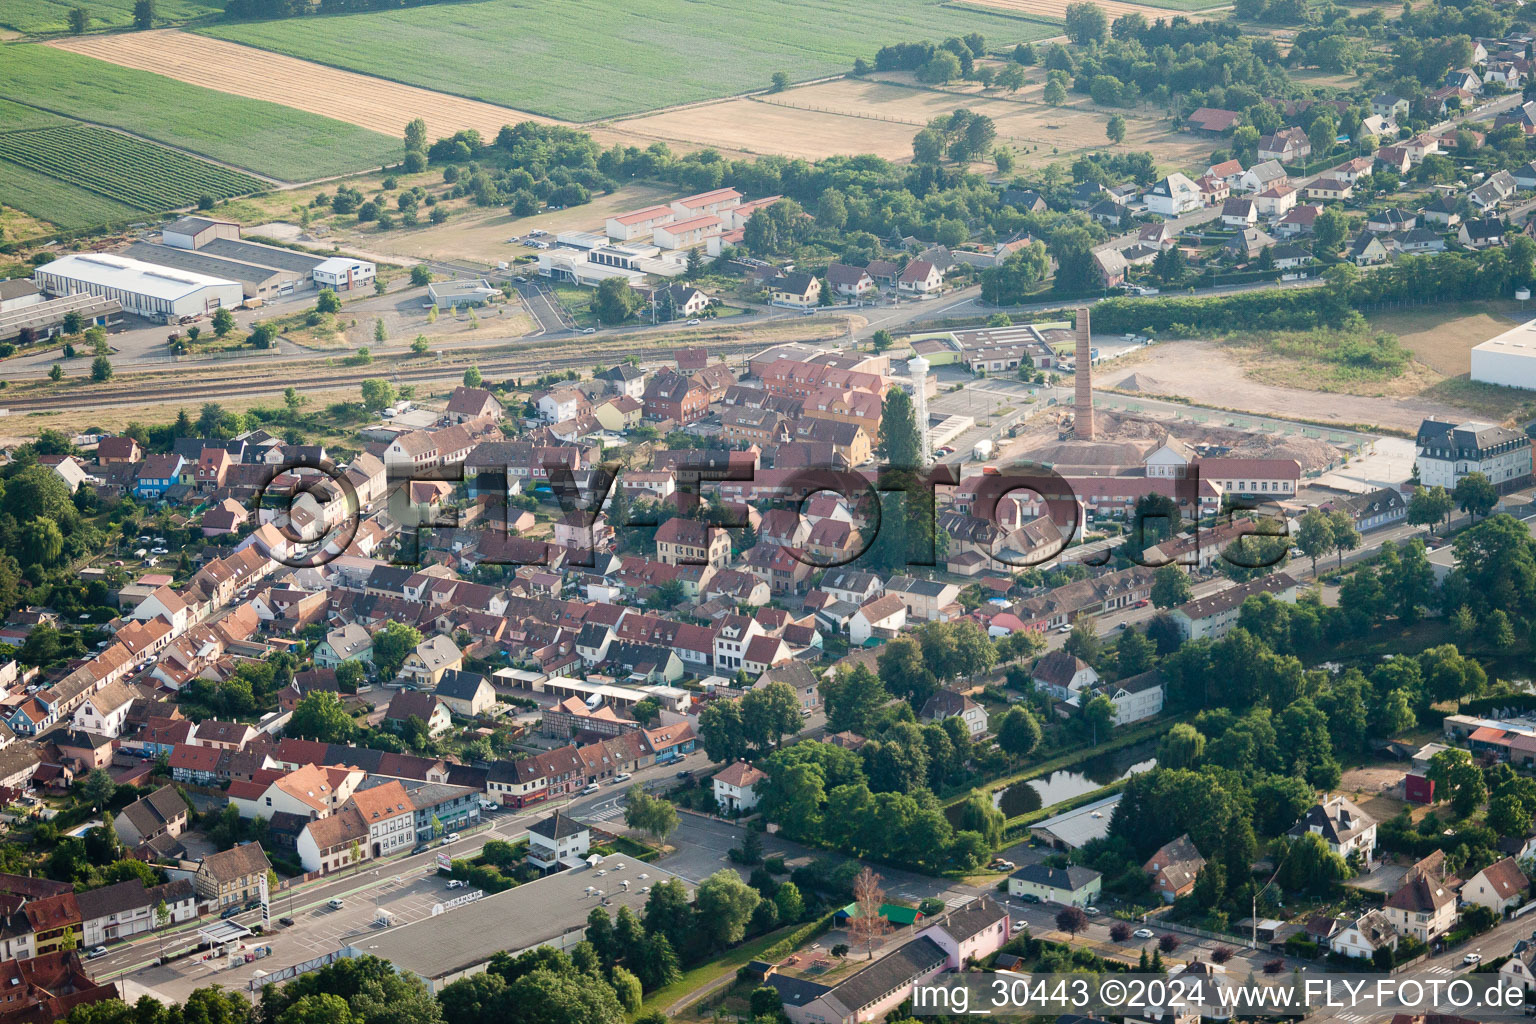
x,y
158,474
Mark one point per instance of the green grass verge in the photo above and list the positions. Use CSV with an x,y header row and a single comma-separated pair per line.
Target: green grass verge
x,y
51,16
57,202
263,137
598,59
123,168
775,944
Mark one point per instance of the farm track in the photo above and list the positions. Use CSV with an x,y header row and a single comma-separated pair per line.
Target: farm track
x,y
139,389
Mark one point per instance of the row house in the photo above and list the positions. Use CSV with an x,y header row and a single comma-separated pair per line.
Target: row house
x,y
1094,596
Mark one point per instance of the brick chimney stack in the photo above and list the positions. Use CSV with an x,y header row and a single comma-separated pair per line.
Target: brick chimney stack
x,y
1082,410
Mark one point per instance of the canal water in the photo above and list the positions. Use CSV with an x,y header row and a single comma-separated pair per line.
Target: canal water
x,y
1083,777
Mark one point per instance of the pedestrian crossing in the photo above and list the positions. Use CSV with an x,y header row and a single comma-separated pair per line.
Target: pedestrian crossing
x,y
608,812
1440,970
1352,1018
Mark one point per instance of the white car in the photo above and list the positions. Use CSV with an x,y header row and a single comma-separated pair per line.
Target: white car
x,y
1143,933
457,883
622,777
1019,926
98,951
451,837
694,322
1472,958
590,330
590,789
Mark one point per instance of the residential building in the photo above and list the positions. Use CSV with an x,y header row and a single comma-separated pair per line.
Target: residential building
x,y
467,694
232,877
161,813
556,840
681,541
1074,886
1343,826
1501,887
1448,452
425,666
947,703
1174,868
736,787
1424,903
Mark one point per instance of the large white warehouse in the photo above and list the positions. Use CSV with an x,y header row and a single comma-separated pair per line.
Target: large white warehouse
x,y
146,289
1509,359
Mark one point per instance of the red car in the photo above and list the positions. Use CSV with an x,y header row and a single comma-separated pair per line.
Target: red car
x,y
1142,603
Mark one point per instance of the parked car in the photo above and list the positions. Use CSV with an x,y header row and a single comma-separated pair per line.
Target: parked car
x,y
685,774
451,837
1091,911
1143,933
457,883
422,848
694,322
591,788
335,904
622,777
1472,958
98,951
286,922
1018,926
590,330
228,913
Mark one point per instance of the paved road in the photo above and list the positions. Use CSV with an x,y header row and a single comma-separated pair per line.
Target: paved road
x,y
406,886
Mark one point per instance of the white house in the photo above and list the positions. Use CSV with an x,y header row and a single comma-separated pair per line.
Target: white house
x,y
736,787
947,703
1343,826
1370,932
104,711
1501,886
1448,452
1174,195
558,839
1070,886
1062,674
883,613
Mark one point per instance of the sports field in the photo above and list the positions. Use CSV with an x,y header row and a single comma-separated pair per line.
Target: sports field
x,y
596,59
273,140
41,16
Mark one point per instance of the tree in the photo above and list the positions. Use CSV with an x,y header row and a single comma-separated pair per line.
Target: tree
x,y
853,700
1329,229
779,82
380,334
615,301
78,20
1098,717
391,645
1182,747
1071,920
648,813
768,713
101,369
327,302
1084,641
790,903
1114,130
1054,94
144,14
721,731
1018,733
321,716
899,444
98,788
1322,133
420,275
378,393
1086,23
1171,586
1456,777
1314,535
1430,505
868,924
223,321
724,905
55,373
1344,536
942,67
1475,495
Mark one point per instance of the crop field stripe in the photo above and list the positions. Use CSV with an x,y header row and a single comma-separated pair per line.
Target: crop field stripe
x,y
597,60
128,170
267,138
60,203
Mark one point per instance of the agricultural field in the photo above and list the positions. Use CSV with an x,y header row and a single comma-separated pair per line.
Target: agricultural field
x,y
15,117
49,199
880,114
368,102
1151,9
42,17
598,60
122,168
265,138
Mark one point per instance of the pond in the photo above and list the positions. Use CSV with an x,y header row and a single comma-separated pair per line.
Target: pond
x,y
1084,777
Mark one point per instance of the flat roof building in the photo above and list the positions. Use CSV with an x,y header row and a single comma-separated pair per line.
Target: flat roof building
x,y
1508,359
145,289
552,911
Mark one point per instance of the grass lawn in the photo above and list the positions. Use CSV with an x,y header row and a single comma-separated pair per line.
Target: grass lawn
x,y
1442,336
52,200
599,60
42,16
15,117
727,963
263,137
577,301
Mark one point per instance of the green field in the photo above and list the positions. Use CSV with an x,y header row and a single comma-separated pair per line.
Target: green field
x,y
59,202
123,169
16,117
52,16
263,137
593,59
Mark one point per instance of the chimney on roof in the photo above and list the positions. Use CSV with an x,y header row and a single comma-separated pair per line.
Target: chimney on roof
x,y
1082,414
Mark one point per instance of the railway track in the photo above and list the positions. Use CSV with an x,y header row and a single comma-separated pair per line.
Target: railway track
x,y
143,391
